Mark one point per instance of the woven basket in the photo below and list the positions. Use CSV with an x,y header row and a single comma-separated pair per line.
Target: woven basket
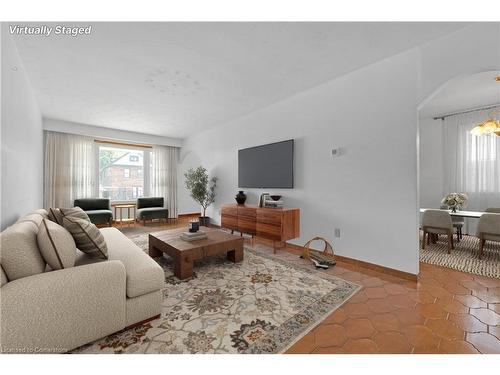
x,y
326,256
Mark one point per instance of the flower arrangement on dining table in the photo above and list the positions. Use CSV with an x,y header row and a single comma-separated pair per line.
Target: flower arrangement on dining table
x,y
455,201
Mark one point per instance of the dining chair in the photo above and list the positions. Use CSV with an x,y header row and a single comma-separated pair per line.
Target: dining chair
x,y
437,222
458,223
488,229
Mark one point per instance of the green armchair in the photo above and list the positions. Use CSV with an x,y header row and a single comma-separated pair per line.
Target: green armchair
x,y
98,209
151,208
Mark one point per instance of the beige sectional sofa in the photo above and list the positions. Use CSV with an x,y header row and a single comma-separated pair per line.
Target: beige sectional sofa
x,y
56,311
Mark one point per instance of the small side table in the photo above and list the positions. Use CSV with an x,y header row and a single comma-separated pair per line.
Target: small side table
x,y
120,207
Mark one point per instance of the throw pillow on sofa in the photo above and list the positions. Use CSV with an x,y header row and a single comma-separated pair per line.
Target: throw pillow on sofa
x,y
19,252
56,245
87,237
75,212
56,216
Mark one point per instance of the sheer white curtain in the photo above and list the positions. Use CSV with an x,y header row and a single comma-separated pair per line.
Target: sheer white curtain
x,y
471,163
70,163
163,178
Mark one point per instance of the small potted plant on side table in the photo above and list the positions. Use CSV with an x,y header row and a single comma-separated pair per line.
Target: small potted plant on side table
x,y
202,189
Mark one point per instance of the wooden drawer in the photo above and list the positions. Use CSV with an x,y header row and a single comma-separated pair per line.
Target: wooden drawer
x,y
229,211
247,213
269,216
268,231
229,222
247,218
247,226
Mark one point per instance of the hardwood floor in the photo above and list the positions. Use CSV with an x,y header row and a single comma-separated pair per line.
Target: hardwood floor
x,y
445,311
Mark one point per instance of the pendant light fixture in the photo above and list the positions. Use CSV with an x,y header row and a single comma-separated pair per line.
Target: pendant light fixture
x,y
491,125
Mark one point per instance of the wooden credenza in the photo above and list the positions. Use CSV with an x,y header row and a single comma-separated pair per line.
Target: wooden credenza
x,y
276,224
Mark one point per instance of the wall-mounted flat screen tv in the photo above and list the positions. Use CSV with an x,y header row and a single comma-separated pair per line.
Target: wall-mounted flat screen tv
x,y
266,166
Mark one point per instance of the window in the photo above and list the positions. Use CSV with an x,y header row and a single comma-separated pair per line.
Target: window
x,y
471,163
122,176
482,164
481,149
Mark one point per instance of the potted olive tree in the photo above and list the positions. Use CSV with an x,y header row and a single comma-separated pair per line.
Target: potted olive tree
x,y
202,189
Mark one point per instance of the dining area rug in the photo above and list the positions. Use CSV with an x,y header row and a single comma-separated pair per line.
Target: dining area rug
x,y
263,304
465,256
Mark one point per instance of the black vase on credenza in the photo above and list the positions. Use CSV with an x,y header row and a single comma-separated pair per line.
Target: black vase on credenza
x,y
240,197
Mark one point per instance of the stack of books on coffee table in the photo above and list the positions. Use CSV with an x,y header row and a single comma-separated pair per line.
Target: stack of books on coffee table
x,y
193,236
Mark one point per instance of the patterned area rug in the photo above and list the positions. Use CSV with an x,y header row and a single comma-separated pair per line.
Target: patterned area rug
x,y
261,305
465,256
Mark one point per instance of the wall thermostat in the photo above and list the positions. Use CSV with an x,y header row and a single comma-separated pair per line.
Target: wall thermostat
x,y
335,152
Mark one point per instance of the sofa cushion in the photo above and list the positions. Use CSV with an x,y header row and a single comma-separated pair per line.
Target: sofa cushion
x,y
100,216
20,256
56,245
56,216
87,237
75,212
3,280
152,213
41,211
57,311
144,275
34,219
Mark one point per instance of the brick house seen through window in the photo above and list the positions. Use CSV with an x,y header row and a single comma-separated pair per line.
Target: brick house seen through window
x,y
121,173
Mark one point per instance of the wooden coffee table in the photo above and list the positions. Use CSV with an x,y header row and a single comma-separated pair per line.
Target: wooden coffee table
x,y
184,252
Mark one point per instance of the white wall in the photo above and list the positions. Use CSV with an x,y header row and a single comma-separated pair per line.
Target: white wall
x,y
21,139
188,159
370,192
431,163
107,133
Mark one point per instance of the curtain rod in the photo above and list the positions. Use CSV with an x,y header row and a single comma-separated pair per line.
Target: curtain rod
x,y
442,117
122,143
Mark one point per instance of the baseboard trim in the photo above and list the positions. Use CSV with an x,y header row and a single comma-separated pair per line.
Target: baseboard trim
x,y
376,267
371,266
355,262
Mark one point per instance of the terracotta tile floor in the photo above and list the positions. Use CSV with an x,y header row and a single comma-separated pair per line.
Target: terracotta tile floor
x,y
446,311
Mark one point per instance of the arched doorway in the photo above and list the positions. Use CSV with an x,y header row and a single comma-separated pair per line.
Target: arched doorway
x,y
444,162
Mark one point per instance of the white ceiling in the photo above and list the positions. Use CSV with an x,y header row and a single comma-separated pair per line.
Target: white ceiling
x,y
464,93
174,79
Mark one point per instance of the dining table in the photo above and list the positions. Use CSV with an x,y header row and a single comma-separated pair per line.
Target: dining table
x,y
459,213
465,214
